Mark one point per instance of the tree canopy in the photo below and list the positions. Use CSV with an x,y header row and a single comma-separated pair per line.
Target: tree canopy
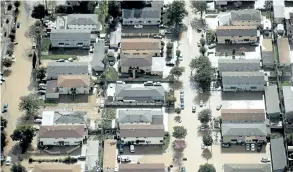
x,y
203,75
177,110
3,123
177,71
176,12
17,167
207,168
39,11
206,153
179,132
114,9
24,134
207,140
199,6
132,4
29,104
41,73
7,62
204,116
170,99
179,145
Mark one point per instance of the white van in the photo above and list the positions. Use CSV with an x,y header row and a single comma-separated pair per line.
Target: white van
x,y
8,160
132,149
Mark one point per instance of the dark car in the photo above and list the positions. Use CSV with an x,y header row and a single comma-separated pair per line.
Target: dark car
x,y
226,145
5,108
121,149
18,25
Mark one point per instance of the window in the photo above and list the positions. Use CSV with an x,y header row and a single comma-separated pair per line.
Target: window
x,y
149,21
233,140
161,141
61,43
233,87
252,87
246,39
240,36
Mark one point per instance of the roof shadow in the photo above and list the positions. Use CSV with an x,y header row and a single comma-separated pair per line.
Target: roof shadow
x,y
242,96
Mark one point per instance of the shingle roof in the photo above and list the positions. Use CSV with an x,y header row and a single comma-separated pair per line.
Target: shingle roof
x,y
59,34
140,44
284,51
82,19
154,167
272,99
109,160
243,115
73,81
128,90
244,129
141,13
288,98
236,31
61,131
231,61
247,168
143,130
57,168
98,56
225,65
279,160
69,117
145,29
242,77
51,86
66,67
135,60
249,15
140,116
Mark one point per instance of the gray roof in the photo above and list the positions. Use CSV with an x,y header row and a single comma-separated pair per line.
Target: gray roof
x,y
69,117
98,55
92,156
288,98
65,67
51,86
82,19
247,168
58,34
153,167
249,15
143,130
236,31
145,29
279,160
243,77
230,65
267,57
140,116
232,61
141,13
129,90
272,99
136,60
246,129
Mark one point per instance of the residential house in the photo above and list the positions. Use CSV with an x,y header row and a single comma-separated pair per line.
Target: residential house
x,y
141,46
267,53
145,31
284,52
279,159
237,34
52,93
225,2
98,56
243,116
79,22
279,11
130,92
62,135
110,158
138,63
247,168
243,81
93,153
64,118
272,101
57,167
70,38
248,17
137,116
244,132
144,16
151,167
74,84
142,134
63,68
235,65
288,99
115,39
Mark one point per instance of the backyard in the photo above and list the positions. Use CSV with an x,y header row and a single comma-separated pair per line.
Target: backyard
x,y
112,73
57,57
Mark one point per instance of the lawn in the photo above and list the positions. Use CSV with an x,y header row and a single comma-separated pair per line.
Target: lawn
x,y
57,57
112,73
46,103
276,55
286,83
45,44
166,141
102,11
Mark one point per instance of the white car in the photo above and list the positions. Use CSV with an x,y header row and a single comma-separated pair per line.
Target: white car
x,y
132,149
61,60
265,160
38,121
158,36
70,59
138,26
8,161
203,146
252,147
180,58
42,85
201,103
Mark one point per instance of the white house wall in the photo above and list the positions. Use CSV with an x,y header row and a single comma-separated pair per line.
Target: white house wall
x,y
80,90
83,27
236,39
55,141
148,140
70,42
142,21
242,87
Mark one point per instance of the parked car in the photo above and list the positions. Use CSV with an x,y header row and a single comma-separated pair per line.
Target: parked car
x,y
203,146
226,145
201,103
170,63
183,169
42,88
8,161
70,59
162,26
60,60
121,149
253,147
158,36
38,121
181,97
42,92
265,160
18,25
5,108
212,46
193,109
182,105
42,85
180,58
254,44
247,147
219,107
157,84
198,44
131,148
138,26
148,83
2,157
181,91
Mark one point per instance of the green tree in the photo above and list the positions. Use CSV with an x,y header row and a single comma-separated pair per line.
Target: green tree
x,y
177,110
114,9
133,4
211,36
207,168
204,116
202,42
206,153
7,62
203,50
39,12
29,104
17,168
179,145
41,73
175,13
207,140
24,134
177,71
179,132
199,6
204,71
3,139
177,118
170,100
3,123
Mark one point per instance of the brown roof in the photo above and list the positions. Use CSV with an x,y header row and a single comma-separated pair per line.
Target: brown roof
x,y
61,131
109,160
140,44
73,81
236,27
154,167
57,168
243,114
284,50
143,130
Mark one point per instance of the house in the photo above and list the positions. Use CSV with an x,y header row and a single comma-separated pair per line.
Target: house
x,y
79,22
247,168
63,68
115,39
142,45
243,81
249,17
237,34
288,99
234,65
98,56
137,116
272,101
244,132
243,116
225,2
93,150
52,93
73,84
267,54
279,159
70,38
57,167
284,52
142,134
279,11
62,135
64,118
145,31
145,16
110,157
138,63
130,92
151,167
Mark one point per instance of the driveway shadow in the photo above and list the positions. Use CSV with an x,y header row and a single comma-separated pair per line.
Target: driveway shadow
x,y
222,48
242,96
144,150
176,85
205,96
69,51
